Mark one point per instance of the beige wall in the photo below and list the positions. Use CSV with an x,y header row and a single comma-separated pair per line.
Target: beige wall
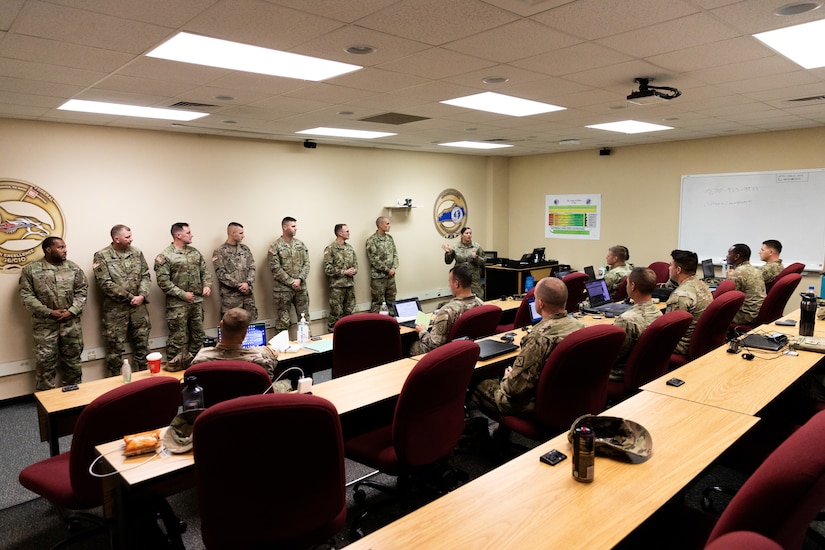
x,y
148,180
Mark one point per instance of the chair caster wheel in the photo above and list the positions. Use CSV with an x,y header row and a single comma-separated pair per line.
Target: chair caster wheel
x,y
359,496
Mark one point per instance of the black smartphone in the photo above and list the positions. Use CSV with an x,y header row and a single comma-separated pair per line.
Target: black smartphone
x,y
553,457
315,338
675,382
69,387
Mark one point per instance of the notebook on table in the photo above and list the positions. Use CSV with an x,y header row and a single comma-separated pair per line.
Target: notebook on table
x,y
406,311
494,348
600,299
255,335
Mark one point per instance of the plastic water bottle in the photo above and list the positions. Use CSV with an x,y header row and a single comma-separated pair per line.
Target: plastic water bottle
x,y
807,315
192,394
126,371
303,330
528,283
384,309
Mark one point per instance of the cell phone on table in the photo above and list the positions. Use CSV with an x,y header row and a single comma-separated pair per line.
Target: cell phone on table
x,y
675,382
553,457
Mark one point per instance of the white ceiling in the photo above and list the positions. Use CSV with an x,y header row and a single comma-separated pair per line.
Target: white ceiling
x,y
581,54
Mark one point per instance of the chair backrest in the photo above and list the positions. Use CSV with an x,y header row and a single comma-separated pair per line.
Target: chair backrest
x,y
429,414
249,456
363,341
795,267
224,380
785,493
575,290
712,327
743,540
661,271
131,408
621,290
523,315
477,322
573,381
725,286
775,301
650,355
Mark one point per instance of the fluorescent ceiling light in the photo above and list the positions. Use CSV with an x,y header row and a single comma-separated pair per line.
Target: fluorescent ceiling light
x,y
343,132
803,44
202,50
129,110
503,104
475,145
630,127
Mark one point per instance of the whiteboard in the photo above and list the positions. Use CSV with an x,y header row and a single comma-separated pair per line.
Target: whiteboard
x,y
719,210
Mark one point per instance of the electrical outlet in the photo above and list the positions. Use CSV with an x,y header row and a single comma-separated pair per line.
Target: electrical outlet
x,y
91,355
268,323
24,365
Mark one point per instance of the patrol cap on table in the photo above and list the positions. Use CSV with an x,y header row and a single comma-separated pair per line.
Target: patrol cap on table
x,y
617,437
178,438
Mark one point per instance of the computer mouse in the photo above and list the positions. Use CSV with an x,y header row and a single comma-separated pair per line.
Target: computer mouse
x,y
609,315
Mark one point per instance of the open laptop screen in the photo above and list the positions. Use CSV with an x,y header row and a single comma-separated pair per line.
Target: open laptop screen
x,y
591,273
255,335
534,315
597,291
707,269
406,310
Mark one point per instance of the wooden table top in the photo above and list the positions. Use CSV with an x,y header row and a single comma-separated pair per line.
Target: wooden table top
x,y
139,469
527,504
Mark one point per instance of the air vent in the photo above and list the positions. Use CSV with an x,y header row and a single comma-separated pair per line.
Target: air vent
x,y
191,105
393,118
806,99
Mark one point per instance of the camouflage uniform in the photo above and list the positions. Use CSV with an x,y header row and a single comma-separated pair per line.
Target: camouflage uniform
x,y
45,287
749,281
234,265
516,394
382,256
770,270
179,272
288,261
461,254
260,355
634,321
693,296
615,275
337,259
428,340
121,276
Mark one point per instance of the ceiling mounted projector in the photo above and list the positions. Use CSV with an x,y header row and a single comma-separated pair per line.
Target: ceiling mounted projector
x,y
647,94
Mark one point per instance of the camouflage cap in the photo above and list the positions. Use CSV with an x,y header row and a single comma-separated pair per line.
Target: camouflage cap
x,y
617,437
178,438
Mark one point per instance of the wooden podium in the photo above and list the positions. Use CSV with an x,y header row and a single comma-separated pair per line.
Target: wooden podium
x,y
508,281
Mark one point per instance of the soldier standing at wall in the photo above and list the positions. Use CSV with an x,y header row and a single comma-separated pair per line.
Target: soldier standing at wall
x,y
54,290
340,265
122,274
235,270
289,263
383,259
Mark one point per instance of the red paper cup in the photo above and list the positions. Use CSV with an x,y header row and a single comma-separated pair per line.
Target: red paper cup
x,y
154,362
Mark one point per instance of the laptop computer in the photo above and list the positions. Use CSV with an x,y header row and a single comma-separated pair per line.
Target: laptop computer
x,y
255,335
406,311
535,316
600,299
494,348
590,272
707,269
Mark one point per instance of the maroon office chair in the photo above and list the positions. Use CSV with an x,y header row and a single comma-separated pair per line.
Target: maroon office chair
x,y
793,268
621,290
477,322
573,382
523,316
363,341
427,424
224,380
743,540
773,307
269,472
65,481
725,286
575,290
650,356
711,329
661,271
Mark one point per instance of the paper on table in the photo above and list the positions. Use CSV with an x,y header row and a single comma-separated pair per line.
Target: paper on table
x,y
280,342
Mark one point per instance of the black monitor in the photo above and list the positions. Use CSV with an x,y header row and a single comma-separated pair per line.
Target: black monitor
x,y
538,255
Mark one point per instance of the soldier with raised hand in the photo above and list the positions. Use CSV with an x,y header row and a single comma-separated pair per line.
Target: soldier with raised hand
x,y
235,271
54,290
340,265
467,252
289,264
383,259
182,275
122,274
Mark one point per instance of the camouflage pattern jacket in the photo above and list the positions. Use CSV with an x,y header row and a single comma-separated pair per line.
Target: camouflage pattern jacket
x,y
381,254
179,272
288,261
693,296
749,280
337,259
234,265
770,270
443,323
614,276
634,321
121,275
45,287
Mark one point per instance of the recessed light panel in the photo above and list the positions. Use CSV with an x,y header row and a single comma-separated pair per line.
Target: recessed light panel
x,y
630,127
119,109
803,44
503,104
343,132
475,145
212,52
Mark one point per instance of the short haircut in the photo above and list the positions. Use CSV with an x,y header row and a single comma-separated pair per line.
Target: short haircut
x,y
288,219
235,321
338,227
687,260
118,229
743,250
621,252
177,227
644,278
773,243
48,242
380,219
234,224
462,274
552,291
466,229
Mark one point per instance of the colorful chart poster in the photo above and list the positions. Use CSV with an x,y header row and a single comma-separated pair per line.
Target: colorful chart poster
x,y
573,216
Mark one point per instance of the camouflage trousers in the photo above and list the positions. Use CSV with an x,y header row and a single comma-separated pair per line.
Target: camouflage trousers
x,y
57,345
485,397
185,333
122,323
282,302
382,290
236,299
341,303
